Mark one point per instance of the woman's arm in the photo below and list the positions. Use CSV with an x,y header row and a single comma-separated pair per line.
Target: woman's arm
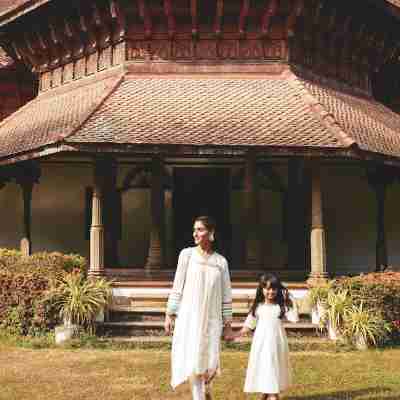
x,y
175,296
227,303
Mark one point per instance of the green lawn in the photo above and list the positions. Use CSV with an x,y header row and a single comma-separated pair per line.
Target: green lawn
x,y
61,374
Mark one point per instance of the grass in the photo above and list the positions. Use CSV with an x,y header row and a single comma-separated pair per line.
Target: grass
x,y
143,374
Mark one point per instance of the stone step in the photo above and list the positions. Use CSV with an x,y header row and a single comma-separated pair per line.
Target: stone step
x,y
156,328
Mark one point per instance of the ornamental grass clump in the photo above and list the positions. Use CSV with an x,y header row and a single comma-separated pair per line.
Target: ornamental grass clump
x,y
79,300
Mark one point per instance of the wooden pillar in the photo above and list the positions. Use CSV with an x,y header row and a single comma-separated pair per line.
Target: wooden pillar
x,y
252,250
111,212
155,258
97,227
26,241
318,245
26,175
379,178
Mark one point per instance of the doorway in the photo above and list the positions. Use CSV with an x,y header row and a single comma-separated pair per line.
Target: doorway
x,y
202,191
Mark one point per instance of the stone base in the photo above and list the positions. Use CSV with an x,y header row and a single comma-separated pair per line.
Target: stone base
x,y
317,280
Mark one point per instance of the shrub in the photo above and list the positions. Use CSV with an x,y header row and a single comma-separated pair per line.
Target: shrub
x,y
379,294
23,284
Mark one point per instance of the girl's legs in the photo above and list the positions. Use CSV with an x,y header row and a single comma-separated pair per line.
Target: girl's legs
x,y
198,389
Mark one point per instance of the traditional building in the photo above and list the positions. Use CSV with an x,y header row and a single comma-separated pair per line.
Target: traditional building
x,y
277,117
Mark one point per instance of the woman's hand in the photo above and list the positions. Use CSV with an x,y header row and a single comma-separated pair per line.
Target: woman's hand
x,y
228,333
169,324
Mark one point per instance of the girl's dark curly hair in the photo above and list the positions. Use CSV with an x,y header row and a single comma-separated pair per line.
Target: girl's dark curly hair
x,y
282,296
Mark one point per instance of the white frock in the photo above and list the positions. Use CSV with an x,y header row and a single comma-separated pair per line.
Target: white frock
x,y
268,369
201,297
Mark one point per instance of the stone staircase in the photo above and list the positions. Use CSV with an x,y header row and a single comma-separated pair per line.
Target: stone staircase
x,y
138,308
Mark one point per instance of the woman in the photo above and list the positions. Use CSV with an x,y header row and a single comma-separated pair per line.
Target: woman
x,y
201,300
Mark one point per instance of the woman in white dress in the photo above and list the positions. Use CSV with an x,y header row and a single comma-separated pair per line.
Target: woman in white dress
x,y
201,301
268,370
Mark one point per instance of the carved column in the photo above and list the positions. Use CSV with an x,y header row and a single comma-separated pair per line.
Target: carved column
x,y
379,179
27,174
155,259
251,213
318,241
111,212
97,226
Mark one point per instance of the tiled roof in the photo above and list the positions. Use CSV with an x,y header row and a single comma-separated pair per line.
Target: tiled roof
x,y
260,110
206,111
7,5
372,126
50,118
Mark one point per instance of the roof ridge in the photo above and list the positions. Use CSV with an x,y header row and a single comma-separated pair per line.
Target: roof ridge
x,y
113,87
321,112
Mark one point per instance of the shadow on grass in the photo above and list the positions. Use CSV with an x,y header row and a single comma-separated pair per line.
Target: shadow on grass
x,y
349,395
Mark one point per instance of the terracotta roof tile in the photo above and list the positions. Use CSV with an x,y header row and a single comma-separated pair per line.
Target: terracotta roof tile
x,y
368,123
7,5
50,118
285,110
200,111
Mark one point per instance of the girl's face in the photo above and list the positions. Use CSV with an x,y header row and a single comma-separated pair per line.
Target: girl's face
x,y
201,235
270,293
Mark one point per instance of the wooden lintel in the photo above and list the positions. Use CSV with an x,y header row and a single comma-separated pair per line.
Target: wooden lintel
x,y
244,12
218,16
193,12
170,17
297,10
269,12
145,15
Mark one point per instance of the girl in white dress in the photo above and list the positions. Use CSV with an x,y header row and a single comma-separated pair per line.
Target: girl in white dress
x,y
268,370
201,301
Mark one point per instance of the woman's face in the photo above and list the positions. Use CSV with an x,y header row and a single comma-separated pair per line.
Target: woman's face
x,y
200,234
270,293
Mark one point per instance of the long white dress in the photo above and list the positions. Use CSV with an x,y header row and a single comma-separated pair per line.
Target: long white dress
x,y
268,370
202,300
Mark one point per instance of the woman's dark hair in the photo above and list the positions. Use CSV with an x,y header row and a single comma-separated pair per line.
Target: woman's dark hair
x,y
282,295
207,221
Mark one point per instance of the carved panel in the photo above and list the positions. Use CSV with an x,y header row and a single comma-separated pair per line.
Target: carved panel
x,y
183,49
80,68
138,50
160,49
273,49
251,49
228,49
105,58
119,53
206,49
68,73
91,63
57,77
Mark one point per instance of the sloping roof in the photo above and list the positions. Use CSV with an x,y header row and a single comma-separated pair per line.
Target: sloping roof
x,y
286,110
50,118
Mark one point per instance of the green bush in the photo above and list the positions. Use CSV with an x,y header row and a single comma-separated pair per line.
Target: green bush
x,y
377,293
23,284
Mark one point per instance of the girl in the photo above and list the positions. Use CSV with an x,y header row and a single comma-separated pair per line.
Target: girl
x,y
268,371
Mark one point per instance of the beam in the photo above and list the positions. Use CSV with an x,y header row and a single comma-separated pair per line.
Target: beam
x,y
269,12
194,14
145,15
297,10
168,9
218,17
244,12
